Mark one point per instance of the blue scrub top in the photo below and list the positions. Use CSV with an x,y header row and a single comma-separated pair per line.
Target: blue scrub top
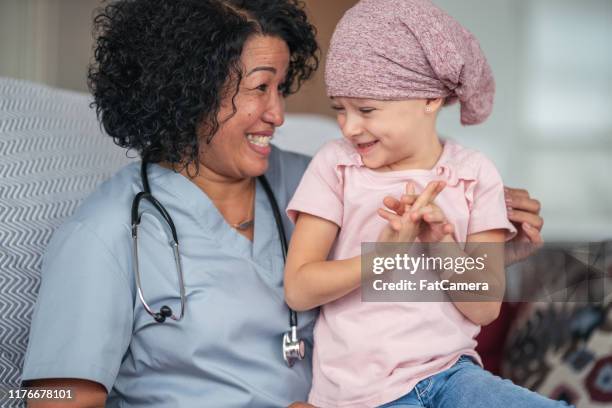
x,y
226,352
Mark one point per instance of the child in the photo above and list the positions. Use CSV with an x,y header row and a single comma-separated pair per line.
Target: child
x,y
391,67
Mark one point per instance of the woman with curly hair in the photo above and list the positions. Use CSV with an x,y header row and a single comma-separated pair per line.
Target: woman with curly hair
x,y
196,89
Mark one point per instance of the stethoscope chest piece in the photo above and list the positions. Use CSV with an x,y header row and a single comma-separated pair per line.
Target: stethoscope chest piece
x,y
293,348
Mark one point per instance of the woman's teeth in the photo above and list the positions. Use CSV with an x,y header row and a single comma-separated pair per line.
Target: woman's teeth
x,y
262,141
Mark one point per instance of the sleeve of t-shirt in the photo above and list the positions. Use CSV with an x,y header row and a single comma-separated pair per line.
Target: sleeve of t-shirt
x,y
82,321
488,209
320,190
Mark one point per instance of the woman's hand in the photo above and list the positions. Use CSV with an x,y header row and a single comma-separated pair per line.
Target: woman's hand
x,y
524,213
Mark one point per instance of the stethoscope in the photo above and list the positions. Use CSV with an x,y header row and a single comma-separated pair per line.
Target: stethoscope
x,y
293,347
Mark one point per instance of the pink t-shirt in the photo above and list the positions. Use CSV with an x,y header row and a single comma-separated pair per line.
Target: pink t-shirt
x,y
370,353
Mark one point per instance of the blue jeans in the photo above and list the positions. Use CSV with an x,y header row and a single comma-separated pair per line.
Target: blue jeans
x,y
466,384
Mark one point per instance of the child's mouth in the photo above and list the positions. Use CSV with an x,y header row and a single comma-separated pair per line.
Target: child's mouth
x,y
364,148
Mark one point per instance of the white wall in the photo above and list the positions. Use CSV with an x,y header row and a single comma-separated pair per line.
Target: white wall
x,y
551,127
46,41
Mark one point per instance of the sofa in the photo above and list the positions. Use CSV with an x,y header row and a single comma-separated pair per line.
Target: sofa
x,y
53,154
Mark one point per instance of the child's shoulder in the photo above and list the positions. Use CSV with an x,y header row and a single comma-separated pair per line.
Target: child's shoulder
x,y
465,162
338,152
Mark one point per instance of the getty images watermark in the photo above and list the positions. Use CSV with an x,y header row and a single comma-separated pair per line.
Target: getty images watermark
x,y
419,272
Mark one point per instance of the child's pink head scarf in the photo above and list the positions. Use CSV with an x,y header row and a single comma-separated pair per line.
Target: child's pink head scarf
x,y
406,49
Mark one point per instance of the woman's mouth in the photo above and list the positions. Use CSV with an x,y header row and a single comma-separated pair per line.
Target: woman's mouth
x,y
364,148
260,144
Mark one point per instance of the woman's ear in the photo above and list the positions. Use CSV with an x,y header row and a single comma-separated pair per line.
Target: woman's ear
x,y
433,105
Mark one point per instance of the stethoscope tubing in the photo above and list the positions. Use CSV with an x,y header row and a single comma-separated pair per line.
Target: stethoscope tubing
x,y
135,221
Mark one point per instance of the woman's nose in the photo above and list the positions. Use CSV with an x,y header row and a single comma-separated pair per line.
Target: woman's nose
x,y
275,112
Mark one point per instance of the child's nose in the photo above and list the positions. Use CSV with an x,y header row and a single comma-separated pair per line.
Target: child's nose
x,y
351,126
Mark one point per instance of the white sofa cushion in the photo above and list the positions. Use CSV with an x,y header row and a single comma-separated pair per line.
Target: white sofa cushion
x,y
52,154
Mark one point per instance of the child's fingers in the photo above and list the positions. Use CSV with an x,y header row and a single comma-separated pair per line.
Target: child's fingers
x,y
394,204
387,215
410,188
434,217
439,187
449,229
419,213
416,216
429,194
423,198
409,197
407,202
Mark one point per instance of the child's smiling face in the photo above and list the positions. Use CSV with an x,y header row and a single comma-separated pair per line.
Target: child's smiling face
x,y
389,135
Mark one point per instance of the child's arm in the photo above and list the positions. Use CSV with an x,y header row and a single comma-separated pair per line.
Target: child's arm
x,y
487,245
488,228
484,312
310,279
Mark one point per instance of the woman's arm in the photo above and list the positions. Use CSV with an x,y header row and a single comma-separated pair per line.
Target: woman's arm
x,y
73,335
86,394
310,279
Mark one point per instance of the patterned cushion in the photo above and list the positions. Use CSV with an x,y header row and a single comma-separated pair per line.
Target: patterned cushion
x,y
564,349
52,154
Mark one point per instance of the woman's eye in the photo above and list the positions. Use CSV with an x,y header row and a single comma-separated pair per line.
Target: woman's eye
x,y
262,87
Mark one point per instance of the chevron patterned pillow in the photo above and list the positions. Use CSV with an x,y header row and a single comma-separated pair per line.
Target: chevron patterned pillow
x,y
52,155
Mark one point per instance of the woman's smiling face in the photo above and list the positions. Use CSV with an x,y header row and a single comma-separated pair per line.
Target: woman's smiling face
x,y
241,146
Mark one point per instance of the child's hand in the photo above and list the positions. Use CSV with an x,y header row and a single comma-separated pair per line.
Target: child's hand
x,y
400,226
431,221
410,199
434,226
406,223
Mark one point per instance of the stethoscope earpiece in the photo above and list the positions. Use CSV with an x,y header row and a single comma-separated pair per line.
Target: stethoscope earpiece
x,y
164,312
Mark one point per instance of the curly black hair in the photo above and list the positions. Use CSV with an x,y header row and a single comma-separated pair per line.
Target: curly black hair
x,y
162,67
